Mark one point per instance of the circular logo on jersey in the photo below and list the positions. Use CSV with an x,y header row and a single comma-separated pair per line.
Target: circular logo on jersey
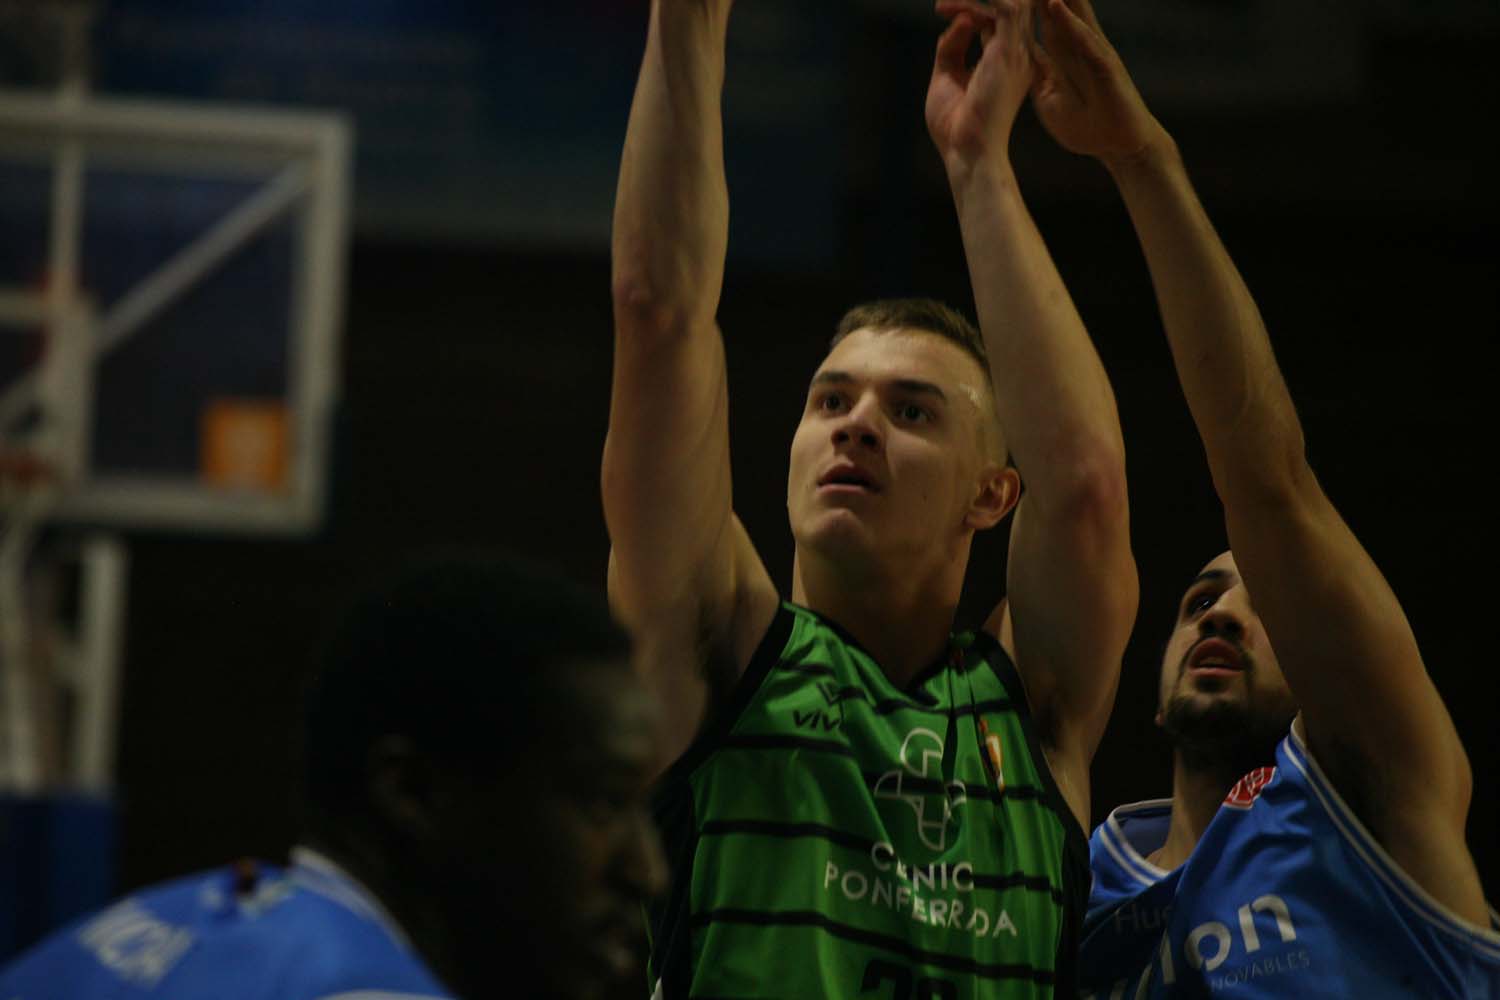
x,y
918,783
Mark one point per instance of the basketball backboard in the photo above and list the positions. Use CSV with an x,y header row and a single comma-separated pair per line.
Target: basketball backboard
x,y
170,299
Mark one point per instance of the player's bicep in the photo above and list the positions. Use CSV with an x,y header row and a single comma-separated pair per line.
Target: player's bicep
x,y
1072,594
691,654
683,574
1344,643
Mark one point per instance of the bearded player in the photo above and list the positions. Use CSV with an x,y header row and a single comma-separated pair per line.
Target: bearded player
x,y
1319,857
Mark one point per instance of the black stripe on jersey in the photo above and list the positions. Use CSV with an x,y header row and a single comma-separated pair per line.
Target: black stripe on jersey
x,y
777,741
787,831
973,790
807,918
820,669
1032,883
863,844
849,692
892,705
926,786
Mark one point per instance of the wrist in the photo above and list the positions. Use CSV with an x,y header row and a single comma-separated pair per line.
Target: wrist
x,y
968,179
1157,154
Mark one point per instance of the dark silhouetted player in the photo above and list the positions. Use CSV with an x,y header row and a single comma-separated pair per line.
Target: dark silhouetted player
x,y
477,752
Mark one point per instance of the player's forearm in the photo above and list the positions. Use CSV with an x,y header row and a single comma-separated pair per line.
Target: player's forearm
x,y
1224,360
671,216
1054,399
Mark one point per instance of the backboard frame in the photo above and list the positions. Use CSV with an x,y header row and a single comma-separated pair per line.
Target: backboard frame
x,y
303,159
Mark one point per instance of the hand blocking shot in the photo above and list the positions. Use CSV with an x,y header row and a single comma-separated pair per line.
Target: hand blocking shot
x,y
477,751
865,800
1314,841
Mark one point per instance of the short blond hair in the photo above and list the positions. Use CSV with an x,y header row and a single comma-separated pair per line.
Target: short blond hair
x,y
940,320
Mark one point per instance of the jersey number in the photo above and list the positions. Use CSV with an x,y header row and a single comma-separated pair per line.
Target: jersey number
x,y
900,978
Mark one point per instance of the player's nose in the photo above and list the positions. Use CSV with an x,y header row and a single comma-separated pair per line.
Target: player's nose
x,y
1224,621
861,425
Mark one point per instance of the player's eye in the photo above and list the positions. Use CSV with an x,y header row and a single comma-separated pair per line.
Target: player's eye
x,y
911,413
1195,604
830,402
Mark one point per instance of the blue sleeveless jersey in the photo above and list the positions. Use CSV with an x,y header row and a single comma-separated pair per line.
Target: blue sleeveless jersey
x,y
309,932
1286,894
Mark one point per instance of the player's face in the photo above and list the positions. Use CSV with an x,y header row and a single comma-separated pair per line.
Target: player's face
x,y
573,852
606,855
887,459
1219,663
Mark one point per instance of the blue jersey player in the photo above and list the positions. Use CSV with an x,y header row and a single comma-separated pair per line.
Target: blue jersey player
x,y
246,930
477,752
1314,841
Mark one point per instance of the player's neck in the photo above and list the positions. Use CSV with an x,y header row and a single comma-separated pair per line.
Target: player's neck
x,y
902,619
1196,797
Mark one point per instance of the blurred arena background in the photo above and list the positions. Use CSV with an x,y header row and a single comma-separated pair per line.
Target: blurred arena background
x,y
1338,147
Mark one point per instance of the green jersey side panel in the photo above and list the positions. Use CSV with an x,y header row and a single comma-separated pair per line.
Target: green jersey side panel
x,y
834,836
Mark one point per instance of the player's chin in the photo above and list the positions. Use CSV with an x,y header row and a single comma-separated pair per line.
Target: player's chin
x,y
601,955
837,520
1207,708
1223,683
601,969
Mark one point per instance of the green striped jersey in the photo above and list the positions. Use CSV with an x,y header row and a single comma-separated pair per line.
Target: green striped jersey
x,y
832,835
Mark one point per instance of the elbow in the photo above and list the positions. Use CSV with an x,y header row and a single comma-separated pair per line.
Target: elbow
x,y
1261,457
1088,507
655,298
1093,490
642,309
1275,474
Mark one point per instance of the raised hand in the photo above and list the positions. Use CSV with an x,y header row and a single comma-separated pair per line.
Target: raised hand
x,y
1081,90
970,109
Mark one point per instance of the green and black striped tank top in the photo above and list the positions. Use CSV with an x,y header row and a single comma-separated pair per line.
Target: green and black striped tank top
x,y
832,835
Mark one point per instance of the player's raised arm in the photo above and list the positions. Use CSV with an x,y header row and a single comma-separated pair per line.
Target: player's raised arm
x,y
1339,633
682,572
1072,586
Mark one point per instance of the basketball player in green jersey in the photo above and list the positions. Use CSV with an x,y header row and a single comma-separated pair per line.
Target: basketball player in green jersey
x,y
859,801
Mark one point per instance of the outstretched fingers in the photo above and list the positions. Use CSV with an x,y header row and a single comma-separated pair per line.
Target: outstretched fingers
x,y
953,46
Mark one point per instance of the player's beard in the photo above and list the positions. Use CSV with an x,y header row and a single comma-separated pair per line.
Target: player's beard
x,y
1226,738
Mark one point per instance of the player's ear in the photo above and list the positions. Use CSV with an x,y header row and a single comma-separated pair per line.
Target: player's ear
x,y
403,787
998,490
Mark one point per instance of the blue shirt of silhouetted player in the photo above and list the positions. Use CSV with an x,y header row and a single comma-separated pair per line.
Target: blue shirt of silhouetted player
x,y
309,932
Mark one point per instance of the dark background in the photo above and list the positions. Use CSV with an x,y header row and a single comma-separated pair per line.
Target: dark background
x,y
1344,170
